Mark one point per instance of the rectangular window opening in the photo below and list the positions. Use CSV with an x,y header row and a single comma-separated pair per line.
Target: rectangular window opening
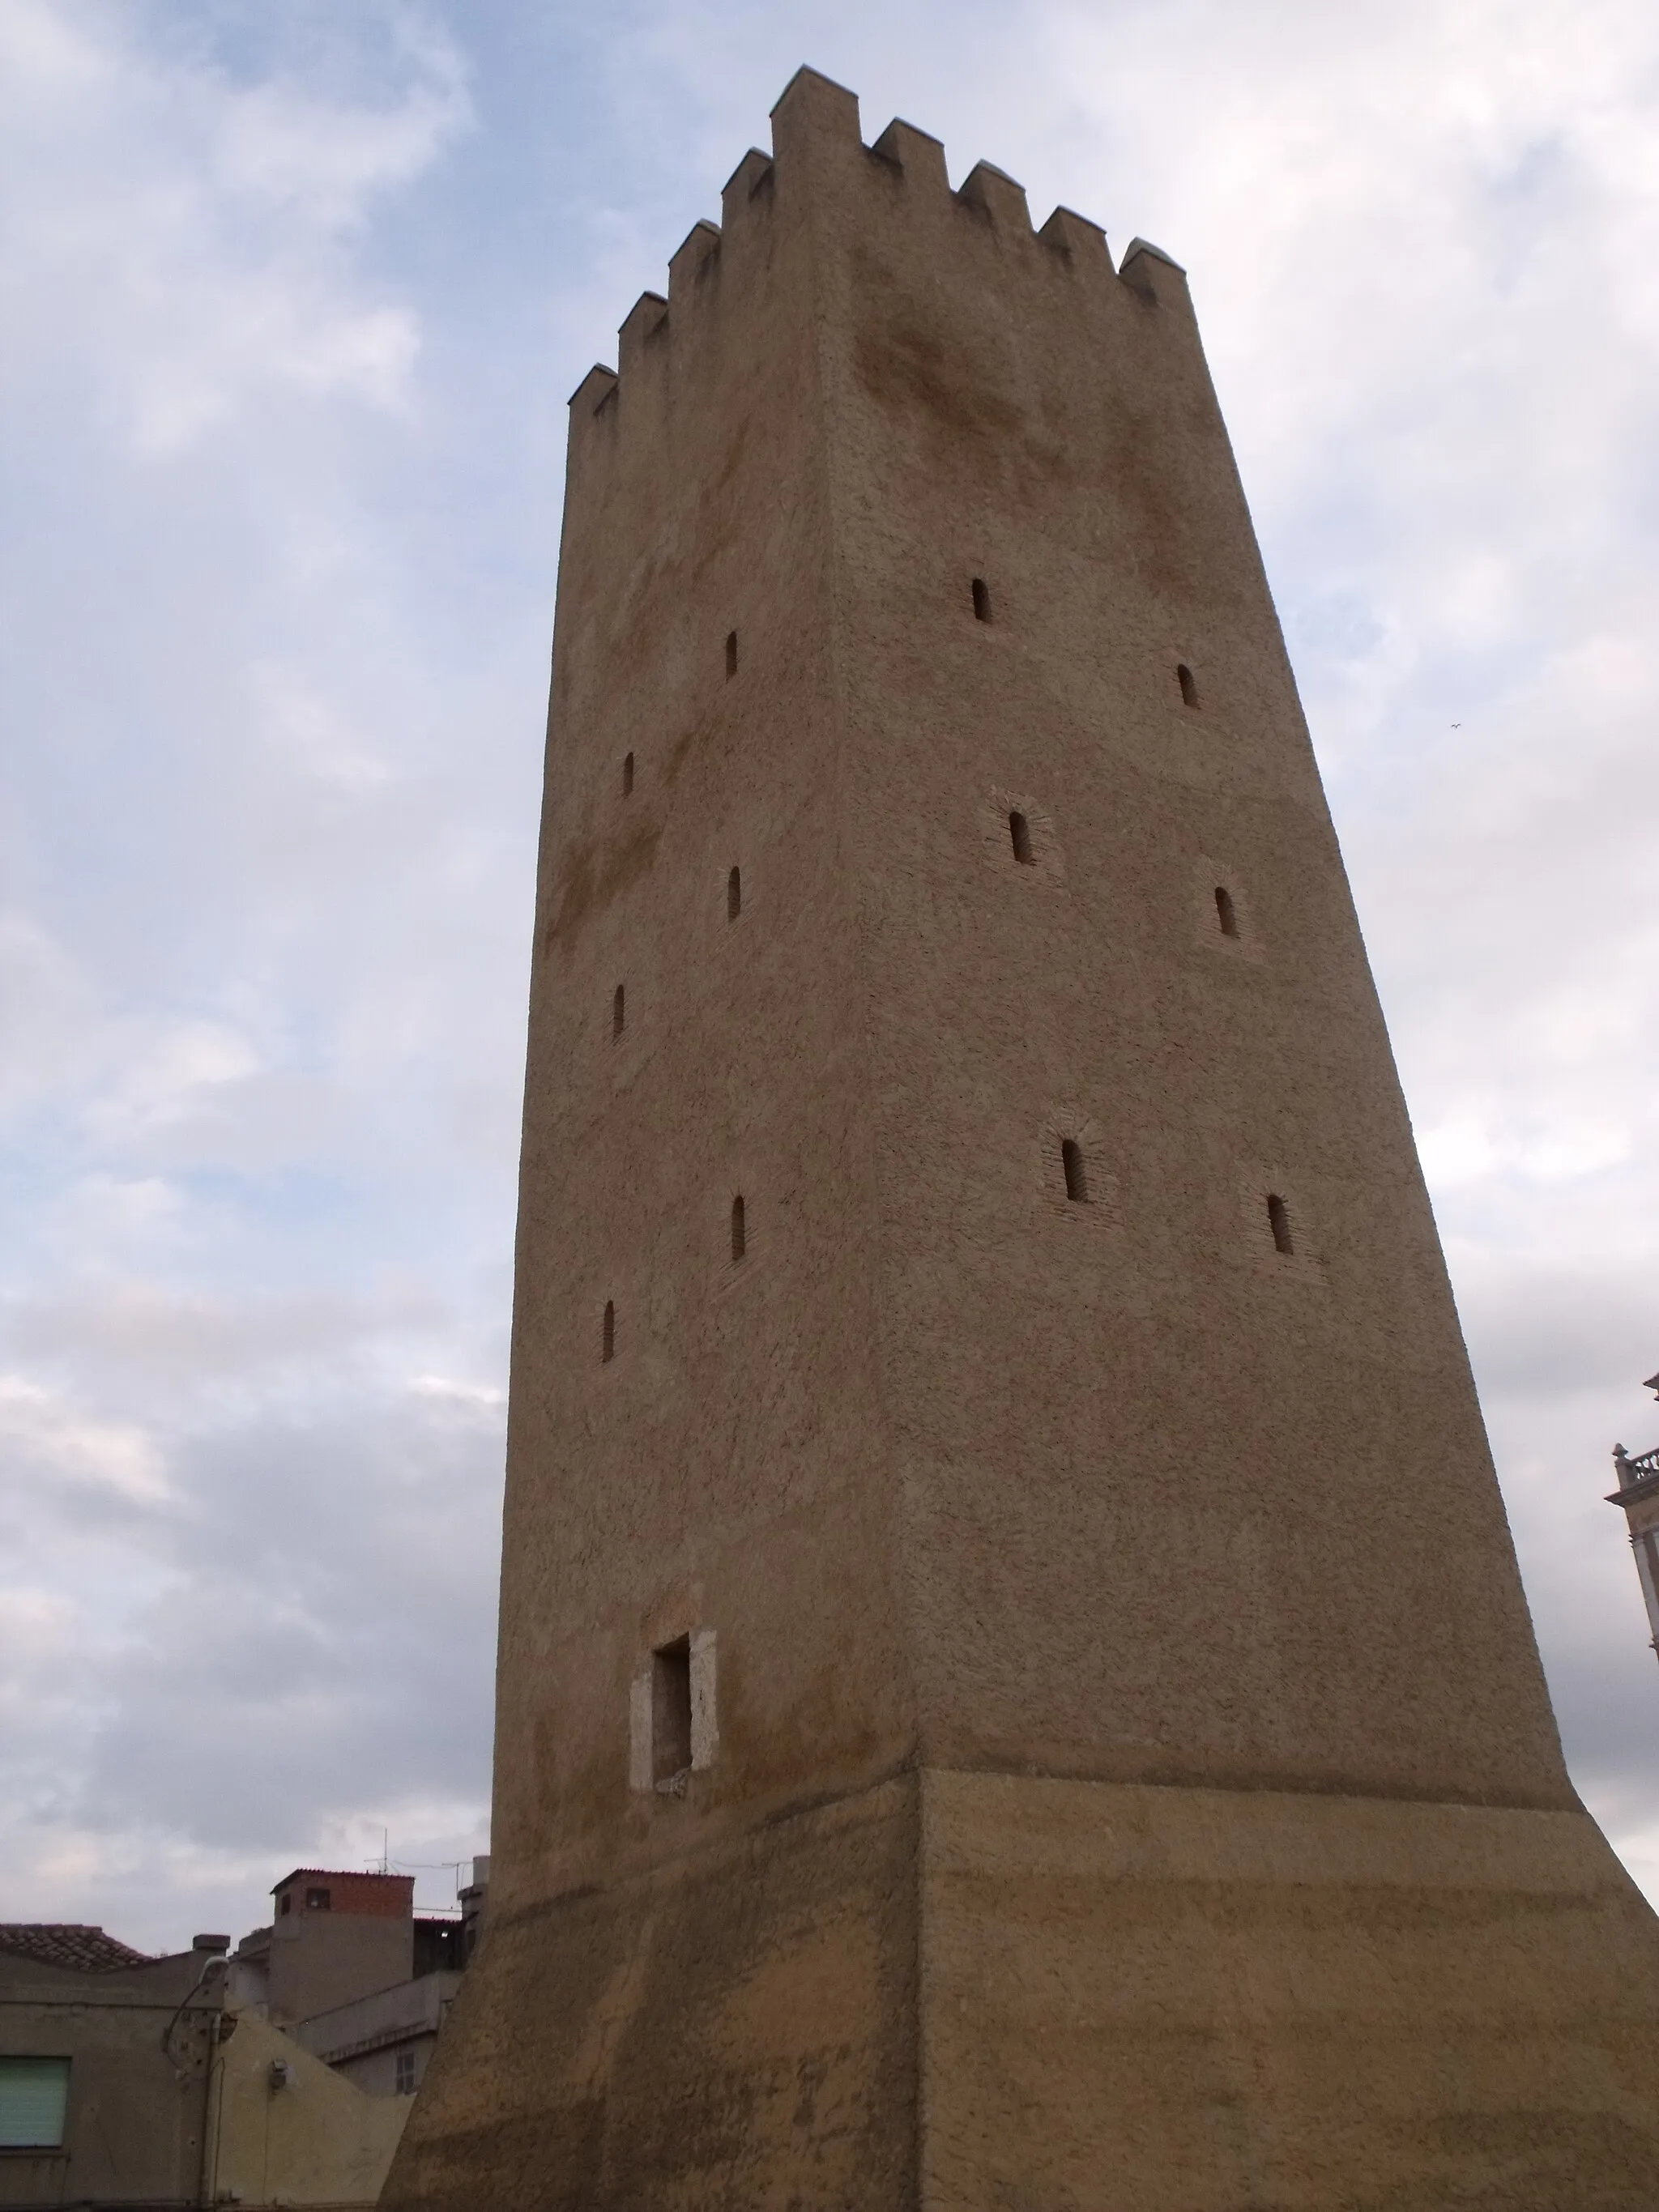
x,y
628,774
981,600
730,653
608,1332
1226,913
739,1231
319,1900
1019,836
671,1711
734,894
33,2103
406,2075
618,1011
1278,1220
1185,678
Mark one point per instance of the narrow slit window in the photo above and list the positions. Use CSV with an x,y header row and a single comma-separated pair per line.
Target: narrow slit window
x,y
1278,1220
618,1011
730,653
1071,1162
1226,913
734,894
671,1711
981,599
1019,836
739,1231
628,774
608,1332
1188,685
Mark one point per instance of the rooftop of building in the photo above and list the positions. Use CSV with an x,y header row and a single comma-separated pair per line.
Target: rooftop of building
x,y
68,1943
346,1876
352,1874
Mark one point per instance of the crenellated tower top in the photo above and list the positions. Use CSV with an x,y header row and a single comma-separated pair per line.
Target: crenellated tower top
x,y
815,134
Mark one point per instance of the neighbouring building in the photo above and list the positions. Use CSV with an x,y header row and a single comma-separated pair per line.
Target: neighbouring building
x,y
126,2083
1637,1495
333,1936
1014,1685
281,2075
354,1975
106,2064
290,2130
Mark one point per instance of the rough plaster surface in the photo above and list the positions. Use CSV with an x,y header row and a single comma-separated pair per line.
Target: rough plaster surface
x,y
1203,2000
982,1490
735,2027
320,2141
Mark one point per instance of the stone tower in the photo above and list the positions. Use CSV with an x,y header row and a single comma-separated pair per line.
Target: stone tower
x,y
1014,1689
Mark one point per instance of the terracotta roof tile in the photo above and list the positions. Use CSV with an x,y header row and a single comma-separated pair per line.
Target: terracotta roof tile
x,y
64,1943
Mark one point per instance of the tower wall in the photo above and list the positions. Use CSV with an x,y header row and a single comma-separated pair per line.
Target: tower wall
x,y
1174,1505
727,1462
1116,1754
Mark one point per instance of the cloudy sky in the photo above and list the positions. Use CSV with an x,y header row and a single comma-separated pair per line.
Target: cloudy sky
x,y
295,294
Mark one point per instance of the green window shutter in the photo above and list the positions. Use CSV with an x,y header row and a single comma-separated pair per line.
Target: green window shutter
x,y
33,2099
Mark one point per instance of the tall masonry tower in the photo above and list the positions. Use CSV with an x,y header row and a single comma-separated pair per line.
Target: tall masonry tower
x,y
1014,1688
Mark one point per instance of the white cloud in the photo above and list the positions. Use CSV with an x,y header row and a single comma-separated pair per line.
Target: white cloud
x,y
184,240
43,1440
474,1398
226,699
309,731
165,1080
44,1006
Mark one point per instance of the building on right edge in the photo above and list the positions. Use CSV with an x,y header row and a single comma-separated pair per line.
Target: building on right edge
x,y
1014,1686
1638,1494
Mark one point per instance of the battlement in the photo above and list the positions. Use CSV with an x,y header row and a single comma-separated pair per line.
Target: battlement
x,y
820,163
